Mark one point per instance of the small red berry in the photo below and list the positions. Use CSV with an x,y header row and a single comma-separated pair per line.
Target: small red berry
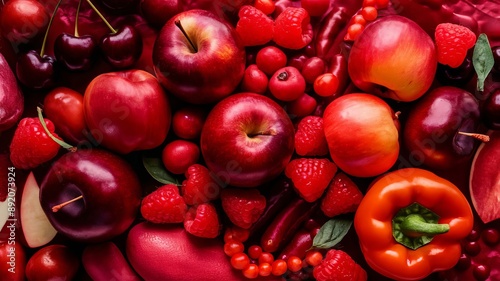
x,y
254,251
254,27
164,205
178,155
269,59
310,176
312,68
233,247
240,261
188,121
279,267
287,84
342,196
310,137
338,266
294,263
202,221
313,258
200,186
452,42
326,85
254,80
265,269
243,206
236,233
301,107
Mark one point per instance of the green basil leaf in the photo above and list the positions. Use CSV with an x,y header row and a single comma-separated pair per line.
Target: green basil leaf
x,y
155,168
482,60
331,233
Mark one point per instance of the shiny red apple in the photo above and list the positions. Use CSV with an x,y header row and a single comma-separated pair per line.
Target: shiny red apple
x,y
433,130
247,139
90,195
393,57
198,57
362,132
127,111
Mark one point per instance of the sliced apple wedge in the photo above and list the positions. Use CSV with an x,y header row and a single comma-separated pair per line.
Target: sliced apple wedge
x,y
35,225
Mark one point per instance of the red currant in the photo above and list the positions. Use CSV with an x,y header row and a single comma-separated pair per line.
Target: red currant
x,y
269,59
279,267
240,261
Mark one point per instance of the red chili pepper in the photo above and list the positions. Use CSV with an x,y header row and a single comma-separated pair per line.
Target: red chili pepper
x,y
338,67
286,223
277,198
331,25
298,246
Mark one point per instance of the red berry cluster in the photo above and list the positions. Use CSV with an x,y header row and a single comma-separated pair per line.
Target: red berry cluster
x,y
367,14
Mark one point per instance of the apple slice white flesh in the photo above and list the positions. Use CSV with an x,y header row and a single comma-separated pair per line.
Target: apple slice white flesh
x,y
36,227
4,214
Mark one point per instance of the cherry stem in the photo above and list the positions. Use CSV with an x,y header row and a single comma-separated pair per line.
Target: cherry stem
x,y
76,18
481,137
101,16
58,207
179,25
42,50
58,141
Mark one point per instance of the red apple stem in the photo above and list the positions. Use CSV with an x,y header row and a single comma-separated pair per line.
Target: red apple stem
x,y
101,16
58,141
58,207
481,137
42,50
77,34
179,25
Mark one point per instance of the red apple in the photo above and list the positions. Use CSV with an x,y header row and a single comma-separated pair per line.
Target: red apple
x,y
12,261
168,252
431,132
484,181
53,262
393,57
22,20
198,57
362,134
247,139
11,97
127,111
105,190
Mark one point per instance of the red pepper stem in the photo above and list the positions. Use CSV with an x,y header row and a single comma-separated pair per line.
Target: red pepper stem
x,y
414,225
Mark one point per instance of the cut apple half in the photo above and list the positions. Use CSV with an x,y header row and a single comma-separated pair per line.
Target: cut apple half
x,y
35,225
4,214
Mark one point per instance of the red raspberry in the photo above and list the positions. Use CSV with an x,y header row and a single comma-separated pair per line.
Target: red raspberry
x,y
164,205
342,196
31,146
202,221
292,28
339,266
200,186
310,137
254,27
310,176
452,42
243,206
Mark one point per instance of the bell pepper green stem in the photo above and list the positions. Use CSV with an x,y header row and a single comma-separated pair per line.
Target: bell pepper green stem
x,y
415,225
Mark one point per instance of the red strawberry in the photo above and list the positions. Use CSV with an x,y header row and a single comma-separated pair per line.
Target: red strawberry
x,y
342,196
452,42
339,266
310,137
202,221
200,186
31,146
164,205
292,28
310,176
254,27
243,206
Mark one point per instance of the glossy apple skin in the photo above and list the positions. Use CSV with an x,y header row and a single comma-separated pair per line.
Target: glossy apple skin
x,y
64,107
127,111
208,74
111,195
12,261
11,97
53,262
150,247
431,130
393,58
362,132
22,20
247,139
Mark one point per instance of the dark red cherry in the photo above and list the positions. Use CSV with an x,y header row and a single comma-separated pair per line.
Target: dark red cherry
x,y
35,71
119,4
123,48
75,53
491,110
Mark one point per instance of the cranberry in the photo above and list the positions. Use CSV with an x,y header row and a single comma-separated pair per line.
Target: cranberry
x,y
463,263
269,59
481,272
312,68
188,121
472,248
491,236
491,110
301,107
178,155
254,80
